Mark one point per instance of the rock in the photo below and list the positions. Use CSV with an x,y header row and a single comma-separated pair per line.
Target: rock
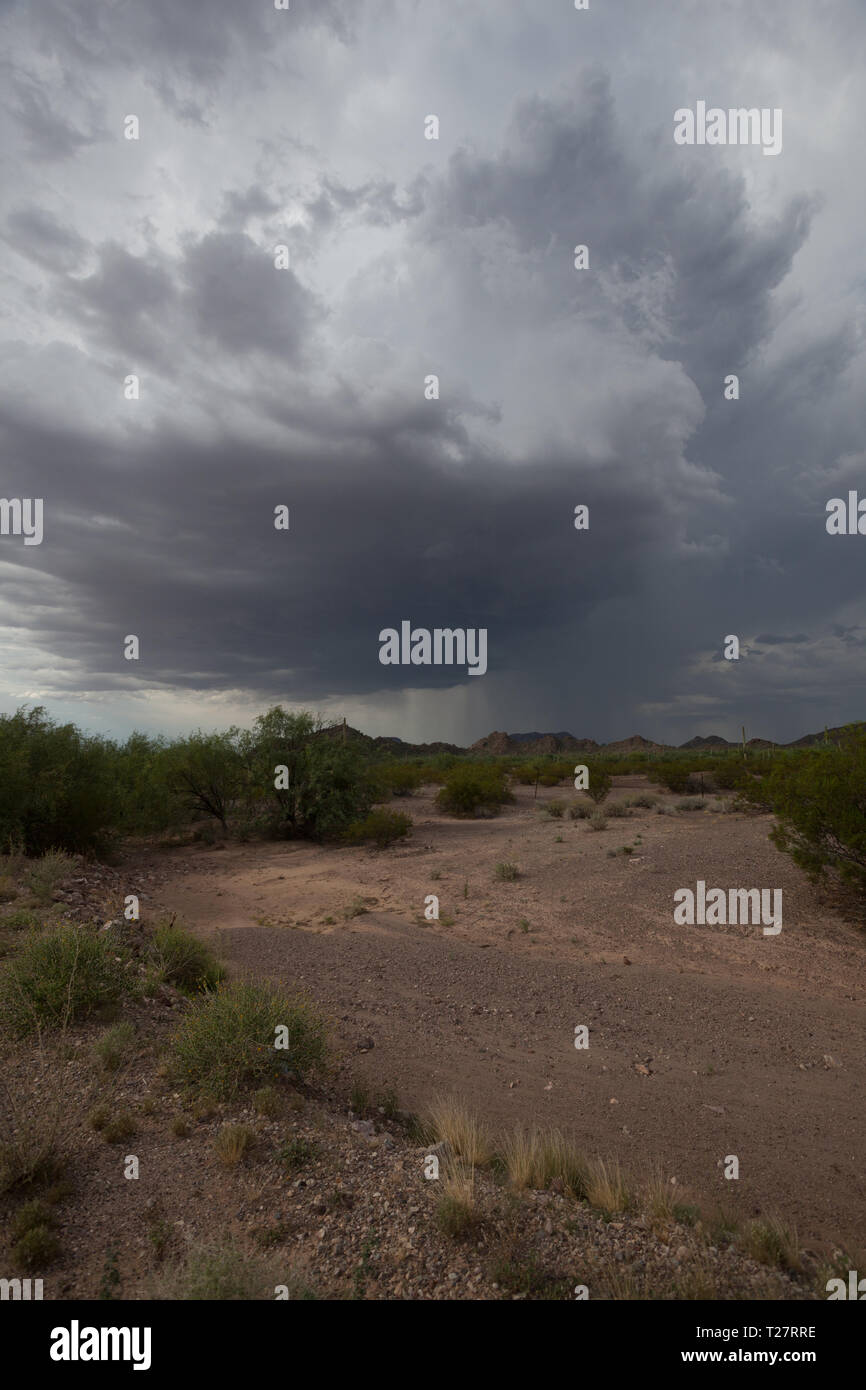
x,y
364,1045
365,1127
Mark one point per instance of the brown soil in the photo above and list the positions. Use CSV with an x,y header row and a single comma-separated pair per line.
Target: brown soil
x,y
704,1041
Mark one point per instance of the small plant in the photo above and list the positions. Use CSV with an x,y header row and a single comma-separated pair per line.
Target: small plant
x,y
456,1213
99,1117
558,840
359,1098
770,1242
114,1044
381,826
692,803
35,1249
121,1127
180,1126
110,1282
184,961
605,1188
617,810
48,872
266,1101
222,1273
507,872
297,1153
555,809
229,1039
598,821
232,1144
578,810
524,925
467,1136
600,783
63,976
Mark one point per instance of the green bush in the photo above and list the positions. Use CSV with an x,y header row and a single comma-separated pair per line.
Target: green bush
x,y
384,827
600,783
184,961
226,1041
59,977
474,787
819,799
49,871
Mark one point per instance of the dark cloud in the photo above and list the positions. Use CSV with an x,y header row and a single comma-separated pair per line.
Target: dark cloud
x,y
305,386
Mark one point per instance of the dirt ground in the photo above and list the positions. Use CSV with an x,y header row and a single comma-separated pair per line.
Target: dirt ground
x,y
704,1041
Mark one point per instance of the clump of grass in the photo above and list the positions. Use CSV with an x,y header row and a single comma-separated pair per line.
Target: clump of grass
x,y
598,821
35,1249
232,1143
616,809
556,809
578,810
359,1098
356,908
114,1044
228,1040
184,961
223,1273
644,801
121,1127
606,1188
297,1153
468,1137
770,1242
664,1206
59,977
456,1213
266,1101
692,803
507,872
22,919
180,1126
99,1117
33,1243
535,1158
48,872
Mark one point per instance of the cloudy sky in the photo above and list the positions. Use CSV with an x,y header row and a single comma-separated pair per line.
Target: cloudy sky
x,y
409,257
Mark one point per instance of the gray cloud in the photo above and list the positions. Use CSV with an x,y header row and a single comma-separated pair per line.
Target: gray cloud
x,y
306,387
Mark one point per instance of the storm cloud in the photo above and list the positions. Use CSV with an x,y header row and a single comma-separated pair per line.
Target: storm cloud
x,y
155,259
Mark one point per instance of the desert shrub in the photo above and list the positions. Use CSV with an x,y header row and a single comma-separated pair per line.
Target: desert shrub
x,y
578,810
205,771
401,779
598,821
600,783
472,787
381,826
674,776
819,800
556,809
114,1045
643,801
616,809
181,959
59,977
507,872
220,1272
232,1143
694,803
227,1039
731,775
50,870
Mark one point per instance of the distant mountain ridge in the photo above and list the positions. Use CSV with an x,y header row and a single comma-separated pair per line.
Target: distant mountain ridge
x,y
534,744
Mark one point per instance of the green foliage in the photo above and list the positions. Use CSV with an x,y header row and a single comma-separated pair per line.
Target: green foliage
x,y
226,1041
383,827
819,800
57,785
184,960
205,771
507,872
59,977
473,787
600,783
